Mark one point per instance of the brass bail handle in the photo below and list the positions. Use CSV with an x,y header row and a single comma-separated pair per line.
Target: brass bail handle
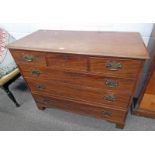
x,y
107,113
114,66
110,98
36,72
28,58
112,83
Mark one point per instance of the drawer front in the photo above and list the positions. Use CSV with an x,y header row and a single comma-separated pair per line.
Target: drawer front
x,y
93,81
79,93
67,62
115,67
98,112
31,58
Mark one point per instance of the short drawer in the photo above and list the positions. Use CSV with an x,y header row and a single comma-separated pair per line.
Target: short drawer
x,y
28,57
80,93
67,62
126,68
87,80
98,112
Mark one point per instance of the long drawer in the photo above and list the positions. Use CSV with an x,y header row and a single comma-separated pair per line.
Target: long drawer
x,y
79,93
112,115
115,67
87,80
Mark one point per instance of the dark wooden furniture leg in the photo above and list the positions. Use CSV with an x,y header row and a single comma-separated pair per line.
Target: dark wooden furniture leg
x,y
5,87
10,95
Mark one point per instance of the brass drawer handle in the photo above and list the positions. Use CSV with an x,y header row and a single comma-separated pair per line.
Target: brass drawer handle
x,y
107,113
110,98
36,72
113,66
40,87
111,83
28,58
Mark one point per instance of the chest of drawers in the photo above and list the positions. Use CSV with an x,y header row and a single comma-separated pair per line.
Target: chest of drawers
x,y
91,73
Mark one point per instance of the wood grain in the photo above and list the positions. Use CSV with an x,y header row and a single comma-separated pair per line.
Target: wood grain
x,y
38,58
67,62
151,85
80,79
130,68
112,115
115,44
148,99
146,102
79,93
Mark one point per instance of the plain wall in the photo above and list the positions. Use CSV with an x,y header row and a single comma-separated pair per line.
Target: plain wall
x,y
20,30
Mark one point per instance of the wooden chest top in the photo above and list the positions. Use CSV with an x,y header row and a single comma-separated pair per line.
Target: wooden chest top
x,y
113,44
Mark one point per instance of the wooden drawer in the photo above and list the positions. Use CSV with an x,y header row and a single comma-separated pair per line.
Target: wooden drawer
x,y
67,62
27,57
80,93
87,80
113,115
114,67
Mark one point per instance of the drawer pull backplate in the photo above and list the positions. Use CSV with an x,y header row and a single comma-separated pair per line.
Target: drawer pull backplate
x,y
114,66
36,72
28,58
110,98
107,113
111,83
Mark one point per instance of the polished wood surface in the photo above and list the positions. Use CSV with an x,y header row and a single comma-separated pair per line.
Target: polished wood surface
x,y
146,102
151,85
92,73
112,115
148,99
99,65
67,62
79,93
37,59
115,44
80,79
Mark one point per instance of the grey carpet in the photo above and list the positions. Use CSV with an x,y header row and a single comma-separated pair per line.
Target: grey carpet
x,y
29,118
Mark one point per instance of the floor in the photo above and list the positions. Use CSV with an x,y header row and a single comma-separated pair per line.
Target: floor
x,y
29,118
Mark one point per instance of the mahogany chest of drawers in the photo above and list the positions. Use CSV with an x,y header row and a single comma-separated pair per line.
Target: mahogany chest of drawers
x,y
92,73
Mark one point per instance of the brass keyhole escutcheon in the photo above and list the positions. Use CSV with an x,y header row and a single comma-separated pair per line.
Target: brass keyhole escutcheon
x,y
41,87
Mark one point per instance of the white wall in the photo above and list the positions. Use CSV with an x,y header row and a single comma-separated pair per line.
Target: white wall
x,y
20,30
